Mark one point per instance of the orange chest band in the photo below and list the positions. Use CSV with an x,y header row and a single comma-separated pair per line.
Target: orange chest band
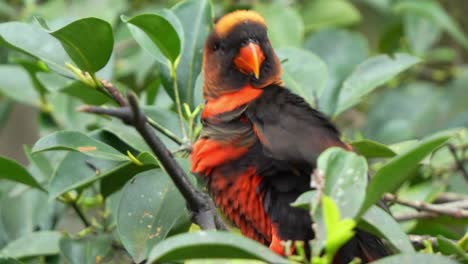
x,y
230,101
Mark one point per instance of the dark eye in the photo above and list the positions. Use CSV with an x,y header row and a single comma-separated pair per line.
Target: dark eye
x,y
216,46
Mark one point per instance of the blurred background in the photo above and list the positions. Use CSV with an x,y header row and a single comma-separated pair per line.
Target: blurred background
x,y
431,96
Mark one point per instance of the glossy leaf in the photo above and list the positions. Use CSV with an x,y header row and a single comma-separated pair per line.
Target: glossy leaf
x,y
87,94
333,46
448,247
421,31
372,149
196,17
149,208
433,10
15,83
328,13
303,72
77,171
282,34
11,170
85,250
211,245
41,243
33,40
77,141
304,200
158,35
369,75
345,174
396,171
382,223
88,41
416,258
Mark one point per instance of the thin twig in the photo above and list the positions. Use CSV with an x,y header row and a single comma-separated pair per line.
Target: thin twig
x,y
165,131
118,98
80,214
458,162
403,217
440,209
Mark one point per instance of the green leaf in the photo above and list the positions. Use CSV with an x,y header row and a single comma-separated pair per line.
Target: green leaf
x,y
396,171
304,200
211,245
77,171
87,94
158,34
345,175
434,11
88,41
85,250
282,34
372,149
9,260
34,41
381,222
23,211
448,247
333,46
415,258
196,17
149,208
421,32
329,13
77,141
11,170
369,75
41,243
303,72
16,84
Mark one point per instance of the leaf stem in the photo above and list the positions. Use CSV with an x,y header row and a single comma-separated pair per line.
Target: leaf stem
x,y
165,131
178,103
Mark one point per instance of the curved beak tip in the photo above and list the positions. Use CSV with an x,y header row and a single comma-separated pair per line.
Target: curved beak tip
x,y
249,59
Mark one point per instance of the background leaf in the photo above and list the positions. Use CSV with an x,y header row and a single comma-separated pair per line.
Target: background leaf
x,y
156,34
282,34
303,72
35,244
328,13
333,46
11,170
85,250
369,75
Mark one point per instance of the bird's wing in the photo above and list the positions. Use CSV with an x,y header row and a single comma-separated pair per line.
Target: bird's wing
x,y
289,128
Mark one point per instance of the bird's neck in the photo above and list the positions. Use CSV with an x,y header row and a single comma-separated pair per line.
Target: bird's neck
x,y
230,101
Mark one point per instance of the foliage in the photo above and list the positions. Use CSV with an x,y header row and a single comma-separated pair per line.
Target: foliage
x,y
394,70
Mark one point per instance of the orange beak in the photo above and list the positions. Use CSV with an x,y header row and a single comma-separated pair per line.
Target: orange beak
x,y
249,59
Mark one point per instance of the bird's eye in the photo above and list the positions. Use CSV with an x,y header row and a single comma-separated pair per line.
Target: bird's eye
x,y
216,46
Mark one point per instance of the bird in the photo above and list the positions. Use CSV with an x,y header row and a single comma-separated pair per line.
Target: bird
x,y
260,142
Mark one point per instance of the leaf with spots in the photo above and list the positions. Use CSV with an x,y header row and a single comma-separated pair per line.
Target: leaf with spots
x,y
345,176
149,208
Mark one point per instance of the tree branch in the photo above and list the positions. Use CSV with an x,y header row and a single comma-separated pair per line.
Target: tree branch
x,y
438,209
458,162
202,209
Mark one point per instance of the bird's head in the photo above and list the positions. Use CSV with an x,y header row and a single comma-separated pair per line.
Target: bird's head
x,y
238,53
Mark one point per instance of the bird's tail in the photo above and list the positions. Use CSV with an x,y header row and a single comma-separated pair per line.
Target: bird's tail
x,y
363,245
